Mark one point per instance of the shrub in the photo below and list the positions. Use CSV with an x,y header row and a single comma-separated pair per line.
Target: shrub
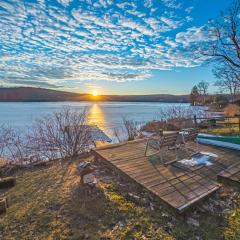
x,y
232,110
132,129
11,145
157,126
63,134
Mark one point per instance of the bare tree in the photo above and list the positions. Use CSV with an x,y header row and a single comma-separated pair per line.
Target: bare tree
x,y
228,79
63,134
12,146
224,35
194,96
132,128
179,116
117,133
202,88
4,138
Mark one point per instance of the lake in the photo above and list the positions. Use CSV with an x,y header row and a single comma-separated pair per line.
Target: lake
x,y
106,115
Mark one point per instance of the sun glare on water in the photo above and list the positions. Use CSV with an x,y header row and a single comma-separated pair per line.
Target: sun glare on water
x,y
95,93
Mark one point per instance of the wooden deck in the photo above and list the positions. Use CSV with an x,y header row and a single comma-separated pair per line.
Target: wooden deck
x,y
180,187
231,176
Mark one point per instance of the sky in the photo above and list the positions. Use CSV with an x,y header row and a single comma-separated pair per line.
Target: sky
x,y
108,46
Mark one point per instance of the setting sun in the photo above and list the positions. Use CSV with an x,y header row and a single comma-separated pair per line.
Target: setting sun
x,y
95,93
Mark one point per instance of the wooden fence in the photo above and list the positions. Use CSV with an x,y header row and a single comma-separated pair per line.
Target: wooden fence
x,y
222,121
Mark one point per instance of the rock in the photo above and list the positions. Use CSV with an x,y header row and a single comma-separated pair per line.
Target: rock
x,y
226,211
86,236
119,225
165,215
193,222
225,194
170,225
151,206
208,207
134,196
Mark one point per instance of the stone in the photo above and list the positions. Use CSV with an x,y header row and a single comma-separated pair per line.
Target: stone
x,y
193,222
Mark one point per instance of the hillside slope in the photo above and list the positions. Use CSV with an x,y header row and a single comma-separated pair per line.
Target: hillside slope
x,y
48,203
38,94
30,94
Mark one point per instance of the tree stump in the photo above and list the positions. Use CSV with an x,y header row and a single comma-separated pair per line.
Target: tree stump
x,y
87,176
86,172
3,205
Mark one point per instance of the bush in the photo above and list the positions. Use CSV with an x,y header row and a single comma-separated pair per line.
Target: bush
x,y
158,126
62,134
132,129
168,125
232,110
12,145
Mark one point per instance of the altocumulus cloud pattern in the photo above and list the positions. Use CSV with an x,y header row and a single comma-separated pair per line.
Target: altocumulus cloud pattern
x,y
56,43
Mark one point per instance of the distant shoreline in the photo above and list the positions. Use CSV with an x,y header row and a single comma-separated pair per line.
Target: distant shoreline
x,y
43,101
29,94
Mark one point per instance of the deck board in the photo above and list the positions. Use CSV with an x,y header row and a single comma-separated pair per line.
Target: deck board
x,y
178,187
231,175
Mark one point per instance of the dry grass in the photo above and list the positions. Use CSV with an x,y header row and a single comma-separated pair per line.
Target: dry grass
x,y
232,110
49,204
226,127
222,131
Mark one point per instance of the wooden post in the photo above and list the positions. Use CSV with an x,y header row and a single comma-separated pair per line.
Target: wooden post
x,y
195,121
3,205
239,123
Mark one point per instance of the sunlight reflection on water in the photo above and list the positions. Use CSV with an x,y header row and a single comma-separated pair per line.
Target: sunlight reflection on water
x,y
96,116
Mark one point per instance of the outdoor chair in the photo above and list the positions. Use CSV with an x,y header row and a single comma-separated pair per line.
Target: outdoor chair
x,y
162,144
189,135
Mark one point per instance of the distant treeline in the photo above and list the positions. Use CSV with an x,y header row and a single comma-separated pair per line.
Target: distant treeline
x,y
30,94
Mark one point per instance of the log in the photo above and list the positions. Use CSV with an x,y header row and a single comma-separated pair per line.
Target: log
x,y
7,182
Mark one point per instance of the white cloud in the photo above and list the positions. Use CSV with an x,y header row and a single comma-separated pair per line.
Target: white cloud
x,y
64,2
172,4
127,23
171,23
54,45
189,9
171,43
193,35
148,3
7,6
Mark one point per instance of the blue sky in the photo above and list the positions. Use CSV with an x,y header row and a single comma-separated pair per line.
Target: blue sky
x,y
113,47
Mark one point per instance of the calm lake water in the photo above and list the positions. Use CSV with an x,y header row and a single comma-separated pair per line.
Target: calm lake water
x,y
106,115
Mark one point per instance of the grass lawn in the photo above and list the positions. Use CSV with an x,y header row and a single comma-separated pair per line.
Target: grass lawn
x,y
49,203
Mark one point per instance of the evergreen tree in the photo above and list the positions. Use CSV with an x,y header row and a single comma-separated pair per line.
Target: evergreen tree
x,y
194,95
